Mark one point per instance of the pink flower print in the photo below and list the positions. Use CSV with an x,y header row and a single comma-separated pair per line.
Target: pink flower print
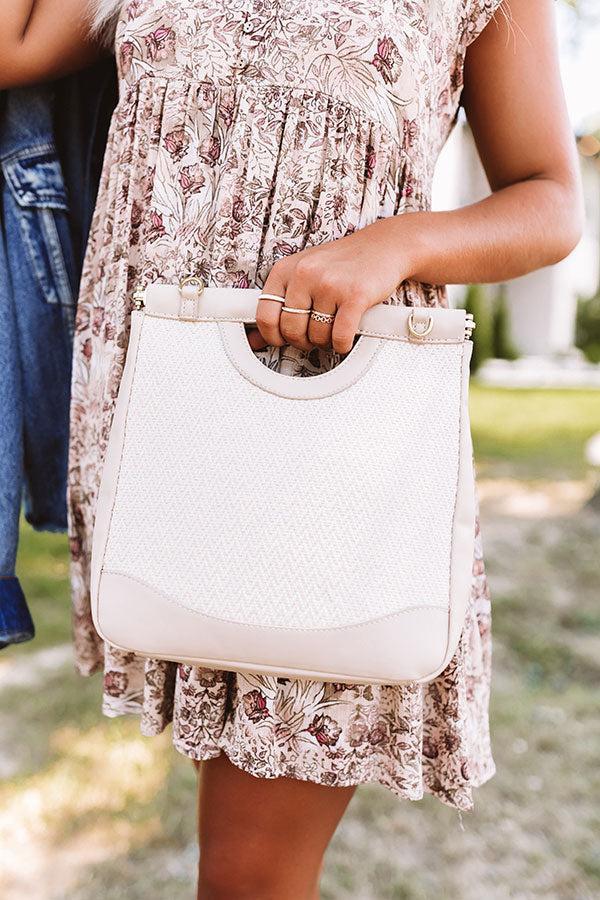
x,y
133,9
430,751
206,94
126,56
357,732
378,733
325,730
115,683
237,209
387,60
109,332
283,248
75,547
255,705
157,228
370,161
241,280
227,109
443,101
451,741
456,77
339,206
97,320
210,150
176,142
410,129
191,179
160,44
184,672
408,186
136,214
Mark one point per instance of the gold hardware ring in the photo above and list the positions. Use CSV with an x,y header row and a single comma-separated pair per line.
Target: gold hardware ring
x,y
420,329
274,297
192,280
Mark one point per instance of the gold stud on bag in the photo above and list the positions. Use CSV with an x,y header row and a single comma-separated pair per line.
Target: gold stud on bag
x,y
358,567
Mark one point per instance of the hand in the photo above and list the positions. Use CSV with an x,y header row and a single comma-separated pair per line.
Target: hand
x,y
343,277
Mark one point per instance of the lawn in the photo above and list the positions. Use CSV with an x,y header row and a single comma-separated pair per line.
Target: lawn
x,y
533,433
89,809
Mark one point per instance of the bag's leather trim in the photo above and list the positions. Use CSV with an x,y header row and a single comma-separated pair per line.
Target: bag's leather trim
x,y
239,305
349,371
463,530
257,649
107,493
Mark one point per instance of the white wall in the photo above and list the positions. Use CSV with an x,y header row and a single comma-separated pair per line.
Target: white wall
x,y
542,305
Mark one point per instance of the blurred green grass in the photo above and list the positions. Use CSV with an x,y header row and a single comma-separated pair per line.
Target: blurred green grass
x,y
43,568
89,808
533,433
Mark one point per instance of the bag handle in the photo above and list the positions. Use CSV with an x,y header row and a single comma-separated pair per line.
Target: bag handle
x,y
192,302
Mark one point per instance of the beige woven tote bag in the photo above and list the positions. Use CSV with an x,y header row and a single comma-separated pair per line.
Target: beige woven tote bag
x,y
317,527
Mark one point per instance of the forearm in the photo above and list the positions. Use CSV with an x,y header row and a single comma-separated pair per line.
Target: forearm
x,y
516,230
42,39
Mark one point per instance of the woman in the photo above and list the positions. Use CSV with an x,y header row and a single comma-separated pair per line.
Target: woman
x,y
291,145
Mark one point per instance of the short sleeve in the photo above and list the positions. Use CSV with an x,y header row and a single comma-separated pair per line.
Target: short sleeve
x,y
478,14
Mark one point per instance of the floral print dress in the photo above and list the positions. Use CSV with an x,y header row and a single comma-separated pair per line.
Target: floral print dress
x,y
247,130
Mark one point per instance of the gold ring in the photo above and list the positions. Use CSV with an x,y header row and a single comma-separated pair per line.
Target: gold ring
x,y
296,309
323,317
275,297
420,329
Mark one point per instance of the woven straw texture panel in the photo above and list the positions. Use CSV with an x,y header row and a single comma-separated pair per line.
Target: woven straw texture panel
x,y
287,513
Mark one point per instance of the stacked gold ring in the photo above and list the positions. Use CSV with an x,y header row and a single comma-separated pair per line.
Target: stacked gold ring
x,y
322,317
275,297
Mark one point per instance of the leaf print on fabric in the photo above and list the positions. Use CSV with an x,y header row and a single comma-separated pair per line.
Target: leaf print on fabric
x,y
239,139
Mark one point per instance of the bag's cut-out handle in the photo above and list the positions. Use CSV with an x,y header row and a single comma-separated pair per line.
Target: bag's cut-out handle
x,y
315,387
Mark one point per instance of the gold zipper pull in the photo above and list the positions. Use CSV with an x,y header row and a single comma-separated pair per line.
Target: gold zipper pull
x,y
139,297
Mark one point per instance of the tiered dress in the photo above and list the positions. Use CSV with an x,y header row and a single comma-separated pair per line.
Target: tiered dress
x,y
247,130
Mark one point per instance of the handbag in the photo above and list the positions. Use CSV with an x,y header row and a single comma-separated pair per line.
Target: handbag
x,y
318,527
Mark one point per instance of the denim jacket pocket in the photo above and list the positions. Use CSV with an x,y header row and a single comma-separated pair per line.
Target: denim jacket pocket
x,y
35,180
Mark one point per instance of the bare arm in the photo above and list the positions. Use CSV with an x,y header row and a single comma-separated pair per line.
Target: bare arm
x,y
43,39
515,104
516,108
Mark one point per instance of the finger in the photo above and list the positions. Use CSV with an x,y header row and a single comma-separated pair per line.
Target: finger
x,y
319,333
268,312
347,320
255,339
294,325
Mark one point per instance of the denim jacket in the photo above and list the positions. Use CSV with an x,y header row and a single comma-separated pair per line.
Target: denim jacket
x,y
51,145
